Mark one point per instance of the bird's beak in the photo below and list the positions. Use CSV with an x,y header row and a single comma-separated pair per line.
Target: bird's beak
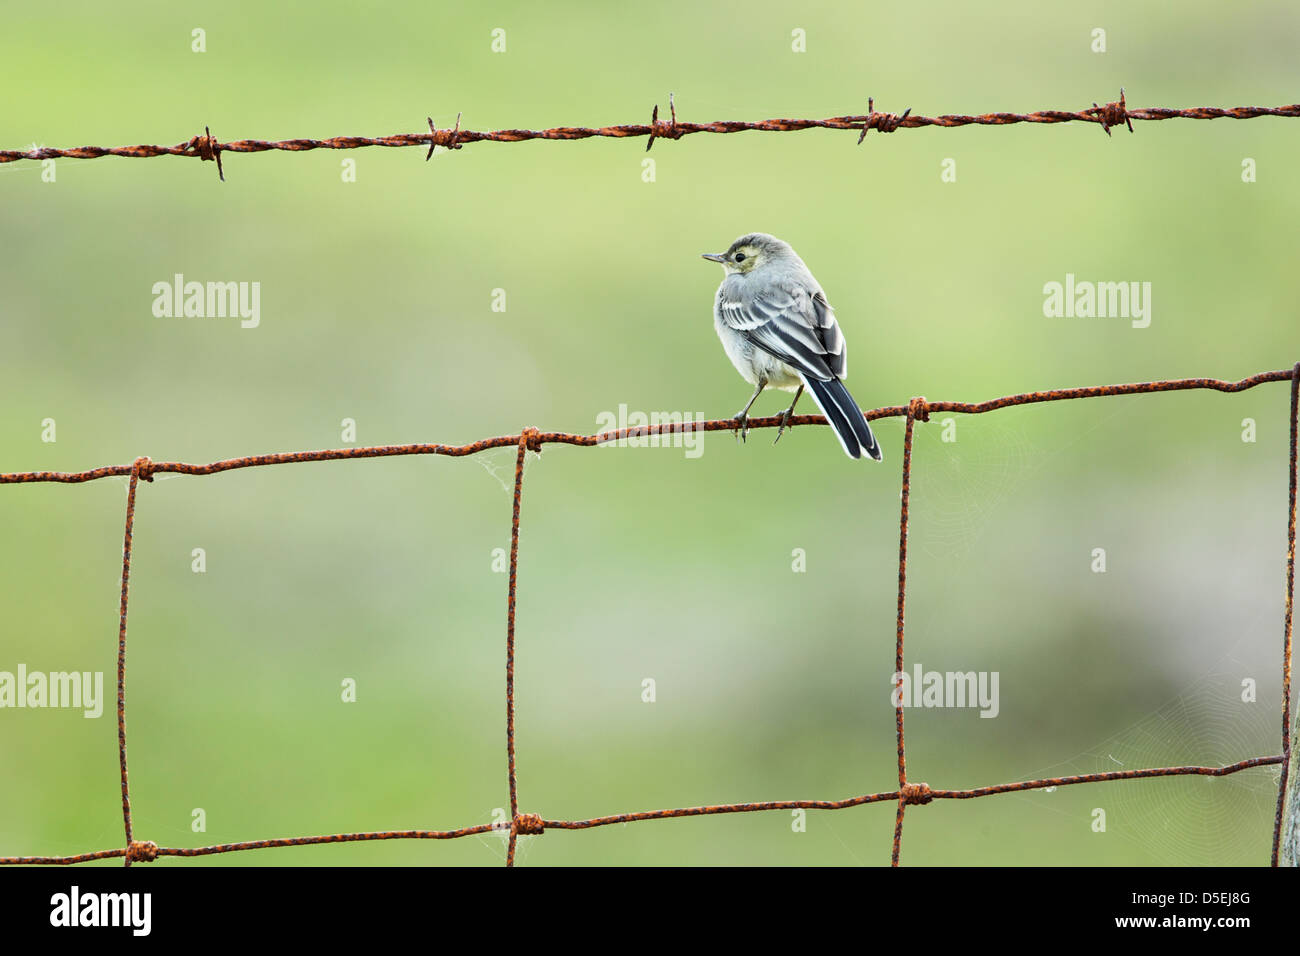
x,y
713,256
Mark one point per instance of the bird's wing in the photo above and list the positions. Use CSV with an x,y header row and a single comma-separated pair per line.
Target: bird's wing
x,y
793,324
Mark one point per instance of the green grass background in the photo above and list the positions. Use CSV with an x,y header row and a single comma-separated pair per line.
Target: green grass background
x,y
643,563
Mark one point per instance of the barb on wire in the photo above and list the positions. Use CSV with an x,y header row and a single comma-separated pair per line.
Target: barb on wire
x,y
452,141
667,130
530,439
206,147
1112,114
885,122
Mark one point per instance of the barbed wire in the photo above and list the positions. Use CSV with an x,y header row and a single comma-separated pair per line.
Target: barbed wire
x,y
208,148
907,794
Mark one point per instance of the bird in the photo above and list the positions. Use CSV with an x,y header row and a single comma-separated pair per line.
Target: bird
x,y
778,329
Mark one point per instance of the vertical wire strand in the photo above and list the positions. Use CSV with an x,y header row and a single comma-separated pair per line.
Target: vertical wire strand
x,y
1288,617
898,646
525,437
121,649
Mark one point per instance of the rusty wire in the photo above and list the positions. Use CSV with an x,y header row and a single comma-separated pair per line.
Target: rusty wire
x,y
208,147
916,411
530,439
121,649
1287,616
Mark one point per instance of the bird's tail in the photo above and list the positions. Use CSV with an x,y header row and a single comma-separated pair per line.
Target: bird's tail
x,y
845,418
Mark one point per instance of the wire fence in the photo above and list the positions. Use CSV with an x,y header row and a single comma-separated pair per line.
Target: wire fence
x,y
207,147
908,793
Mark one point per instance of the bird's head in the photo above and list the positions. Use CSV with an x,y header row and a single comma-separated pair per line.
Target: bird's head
x,y
749,252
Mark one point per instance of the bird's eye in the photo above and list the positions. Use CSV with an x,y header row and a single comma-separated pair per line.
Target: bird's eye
x,y
740,257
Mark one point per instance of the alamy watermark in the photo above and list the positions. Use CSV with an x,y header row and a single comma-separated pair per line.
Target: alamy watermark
x,y
70,689
208,300
924,688
679,430
1102,300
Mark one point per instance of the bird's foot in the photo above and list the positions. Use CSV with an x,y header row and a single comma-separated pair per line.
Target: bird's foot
x,y
785,420
785,416
741,426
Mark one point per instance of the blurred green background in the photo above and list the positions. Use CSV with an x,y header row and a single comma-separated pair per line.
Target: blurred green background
x,y
643,563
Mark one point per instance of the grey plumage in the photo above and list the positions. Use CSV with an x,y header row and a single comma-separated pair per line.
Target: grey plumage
x,y
778,330
845,417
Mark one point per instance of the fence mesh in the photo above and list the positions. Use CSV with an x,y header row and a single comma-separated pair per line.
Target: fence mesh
x,y
908,793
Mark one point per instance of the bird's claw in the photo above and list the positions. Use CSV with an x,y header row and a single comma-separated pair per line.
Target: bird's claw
x,y
741,426
785,420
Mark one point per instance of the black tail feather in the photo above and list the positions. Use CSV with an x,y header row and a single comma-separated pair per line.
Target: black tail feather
x,y
845,418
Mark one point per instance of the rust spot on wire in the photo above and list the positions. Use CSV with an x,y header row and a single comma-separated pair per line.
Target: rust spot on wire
x,y
141,851
529,824
530,439
916,794
207,148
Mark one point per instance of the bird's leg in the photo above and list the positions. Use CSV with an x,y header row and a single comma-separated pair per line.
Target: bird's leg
x,y
741,417
785,417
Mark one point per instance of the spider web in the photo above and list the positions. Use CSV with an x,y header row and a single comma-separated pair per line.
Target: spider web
x,y
967,481
1188,821
499,463
967,484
